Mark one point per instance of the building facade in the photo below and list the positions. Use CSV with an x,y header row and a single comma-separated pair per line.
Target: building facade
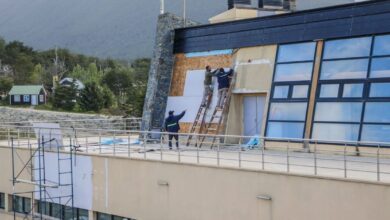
x,y
320,74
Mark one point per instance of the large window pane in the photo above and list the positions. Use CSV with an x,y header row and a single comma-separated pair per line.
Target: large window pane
x,y
338,111
344,69
18,204
27,205
288,111
329,91
83,214
377,112
68,215
2,200
380,90
380,67
300,91
285,130
355,47
293,72
353,90
376,133
102,216
382,45
281,92
296,52
56,210
335,132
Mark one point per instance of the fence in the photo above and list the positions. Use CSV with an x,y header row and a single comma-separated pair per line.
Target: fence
x,y
340,159
107,123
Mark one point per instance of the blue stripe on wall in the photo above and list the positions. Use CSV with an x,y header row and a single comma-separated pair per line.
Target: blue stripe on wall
x,y
209,53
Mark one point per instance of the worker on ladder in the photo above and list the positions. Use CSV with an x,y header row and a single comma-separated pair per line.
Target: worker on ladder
x,y
172,126
223,85
208,86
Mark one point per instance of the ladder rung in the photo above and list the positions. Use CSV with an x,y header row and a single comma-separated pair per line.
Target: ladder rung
x,y
65,172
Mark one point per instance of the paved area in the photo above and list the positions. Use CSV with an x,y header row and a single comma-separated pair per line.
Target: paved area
x,y
326,165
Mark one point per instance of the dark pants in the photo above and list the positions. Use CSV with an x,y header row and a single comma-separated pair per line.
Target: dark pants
x,y
170,140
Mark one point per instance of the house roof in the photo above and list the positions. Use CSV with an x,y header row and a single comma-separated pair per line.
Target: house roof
x,y
26,90
68,81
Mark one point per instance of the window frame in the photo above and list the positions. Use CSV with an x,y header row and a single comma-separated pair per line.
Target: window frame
x,y
25,210
291,85
367,82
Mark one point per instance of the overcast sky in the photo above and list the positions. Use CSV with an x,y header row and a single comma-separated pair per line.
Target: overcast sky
x,y
105,28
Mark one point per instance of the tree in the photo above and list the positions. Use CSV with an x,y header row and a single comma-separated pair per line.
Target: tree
x,y
92,97
6,84
108,97
65,97
119,81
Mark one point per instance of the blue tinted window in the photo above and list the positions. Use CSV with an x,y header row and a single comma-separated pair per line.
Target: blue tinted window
x,y
382,45
380,67
285,130
329,91
288,111
281,92
344,69
380,90
296,52
300,91
376,133
353,90
377,112
293,72
355,47
336,132
338,111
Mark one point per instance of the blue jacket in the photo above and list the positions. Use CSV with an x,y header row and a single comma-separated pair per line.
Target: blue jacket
x,y
224,79
172,122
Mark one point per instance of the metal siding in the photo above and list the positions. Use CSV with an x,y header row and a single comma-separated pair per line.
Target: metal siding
x,y
335,22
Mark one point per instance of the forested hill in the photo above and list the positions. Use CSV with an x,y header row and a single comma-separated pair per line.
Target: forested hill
x,y
103,28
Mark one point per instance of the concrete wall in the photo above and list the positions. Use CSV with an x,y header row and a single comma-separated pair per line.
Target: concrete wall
x,y
150,190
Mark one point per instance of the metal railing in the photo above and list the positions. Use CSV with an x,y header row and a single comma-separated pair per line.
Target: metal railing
x,y
101,123
338,159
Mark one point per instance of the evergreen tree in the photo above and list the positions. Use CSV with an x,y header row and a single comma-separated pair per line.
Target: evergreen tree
x,y
65,97
92,97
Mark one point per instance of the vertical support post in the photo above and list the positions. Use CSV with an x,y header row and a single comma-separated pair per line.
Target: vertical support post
x,y
9,137
100,141
179,155
288,156
129,145
13,177
197,150
18,137
378,165
86,143
218,149
262,157
114,150
315,158
161,147
239,152
345,161
144,144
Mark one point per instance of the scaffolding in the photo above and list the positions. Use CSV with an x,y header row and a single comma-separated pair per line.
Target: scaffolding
x,y
49,171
